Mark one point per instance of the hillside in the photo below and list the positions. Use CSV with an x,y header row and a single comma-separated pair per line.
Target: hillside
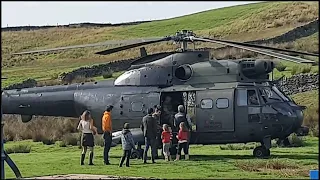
x,y
241,23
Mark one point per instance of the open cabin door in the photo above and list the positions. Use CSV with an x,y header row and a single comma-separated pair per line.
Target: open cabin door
x,y
215,110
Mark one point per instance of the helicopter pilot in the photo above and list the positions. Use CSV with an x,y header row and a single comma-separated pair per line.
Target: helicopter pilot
x,y
253,99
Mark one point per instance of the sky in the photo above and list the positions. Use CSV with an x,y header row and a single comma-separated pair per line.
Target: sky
x,y
24,13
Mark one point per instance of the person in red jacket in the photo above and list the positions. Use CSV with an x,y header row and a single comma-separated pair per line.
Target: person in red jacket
x,y
166,142
182,137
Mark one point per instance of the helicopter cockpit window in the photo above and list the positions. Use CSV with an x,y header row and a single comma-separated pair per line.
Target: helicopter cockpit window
x,y
242,97
206,103
284,97
270,95
136,106
222,103
252,97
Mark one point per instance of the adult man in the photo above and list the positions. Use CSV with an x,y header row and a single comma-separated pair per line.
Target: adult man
x,y
149,128
156,115
107,133
181,116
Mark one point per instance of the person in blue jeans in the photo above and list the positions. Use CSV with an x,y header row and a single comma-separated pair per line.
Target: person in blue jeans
x,y
149,128
127,145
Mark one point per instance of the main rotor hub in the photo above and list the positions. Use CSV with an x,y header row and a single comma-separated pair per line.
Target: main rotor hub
x,y
183,37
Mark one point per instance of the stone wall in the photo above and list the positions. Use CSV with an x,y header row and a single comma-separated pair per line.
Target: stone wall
x,y
96,70
299,83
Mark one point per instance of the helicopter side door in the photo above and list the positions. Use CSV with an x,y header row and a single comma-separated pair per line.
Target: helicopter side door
x,y
215,110
247,110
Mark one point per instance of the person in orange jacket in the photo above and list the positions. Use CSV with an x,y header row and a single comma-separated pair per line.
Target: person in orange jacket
x,y
107,133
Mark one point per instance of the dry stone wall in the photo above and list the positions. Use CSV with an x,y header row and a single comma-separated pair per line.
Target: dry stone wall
x,y
299,83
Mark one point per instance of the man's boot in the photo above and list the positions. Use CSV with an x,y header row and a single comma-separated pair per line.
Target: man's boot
x,y
145,157
187,156
153,159
177,158
170,158
82,159
91,158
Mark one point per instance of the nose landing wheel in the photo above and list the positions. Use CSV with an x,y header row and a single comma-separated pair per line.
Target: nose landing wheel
x,y
261,152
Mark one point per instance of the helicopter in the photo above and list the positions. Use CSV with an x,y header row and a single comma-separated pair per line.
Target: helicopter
x,y
231,101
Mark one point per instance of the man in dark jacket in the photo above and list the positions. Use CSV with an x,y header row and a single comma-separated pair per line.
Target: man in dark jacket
x,y
181,116
149,128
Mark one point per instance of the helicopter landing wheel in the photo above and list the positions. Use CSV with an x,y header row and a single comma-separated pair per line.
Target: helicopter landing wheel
x,y
261,152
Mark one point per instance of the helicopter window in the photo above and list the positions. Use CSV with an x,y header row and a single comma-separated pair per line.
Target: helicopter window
x,y
242,97
206,103
269,95
252,97
136,106
276,90
222,103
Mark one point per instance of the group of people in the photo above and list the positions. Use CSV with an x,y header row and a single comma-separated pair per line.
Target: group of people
x,y
150,127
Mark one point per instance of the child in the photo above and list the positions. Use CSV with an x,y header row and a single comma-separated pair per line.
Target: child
x,y
127,144
166,141
183,141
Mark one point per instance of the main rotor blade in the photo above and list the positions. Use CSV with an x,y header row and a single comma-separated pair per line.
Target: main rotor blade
x,y
121,48
111,42
261,51
267,47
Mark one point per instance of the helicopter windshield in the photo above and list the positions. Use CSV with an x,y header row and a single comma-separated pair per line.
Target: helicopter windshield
x,y
282,95
271,95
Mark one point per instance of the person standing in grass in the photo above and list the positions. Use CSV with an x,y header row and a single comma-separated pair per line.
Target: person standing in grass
x,y
107,133
149,129
87,139
166,142
127,145
182,137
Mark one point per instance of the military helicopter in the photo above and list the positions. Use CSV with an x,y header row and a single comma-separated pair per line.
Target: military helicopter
x,y
231,101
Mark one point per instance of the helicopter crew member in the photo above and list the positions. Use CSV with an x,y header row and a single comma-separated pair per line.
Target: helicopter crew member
x,y
149,128
107,133
87,139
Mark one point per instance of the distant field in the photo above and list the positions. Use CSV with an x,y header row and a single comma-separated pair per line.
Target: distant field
x,y
205,162
241,23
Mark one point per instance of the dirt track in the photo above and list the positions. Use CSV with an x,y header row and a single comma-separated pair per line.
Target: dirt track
x,y
82,176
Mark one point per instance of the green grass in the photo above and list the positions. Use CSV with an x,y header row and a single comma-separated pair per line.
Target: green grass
x,y
241,23
206,162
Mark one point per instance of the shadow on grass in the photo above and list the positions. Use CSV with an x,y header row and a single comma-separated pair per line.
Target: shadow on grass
x,y
236,157
222,157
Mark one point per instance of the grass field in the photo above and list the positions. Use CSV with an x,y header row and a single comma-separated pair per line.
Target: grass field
x,y
240,23
205,162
